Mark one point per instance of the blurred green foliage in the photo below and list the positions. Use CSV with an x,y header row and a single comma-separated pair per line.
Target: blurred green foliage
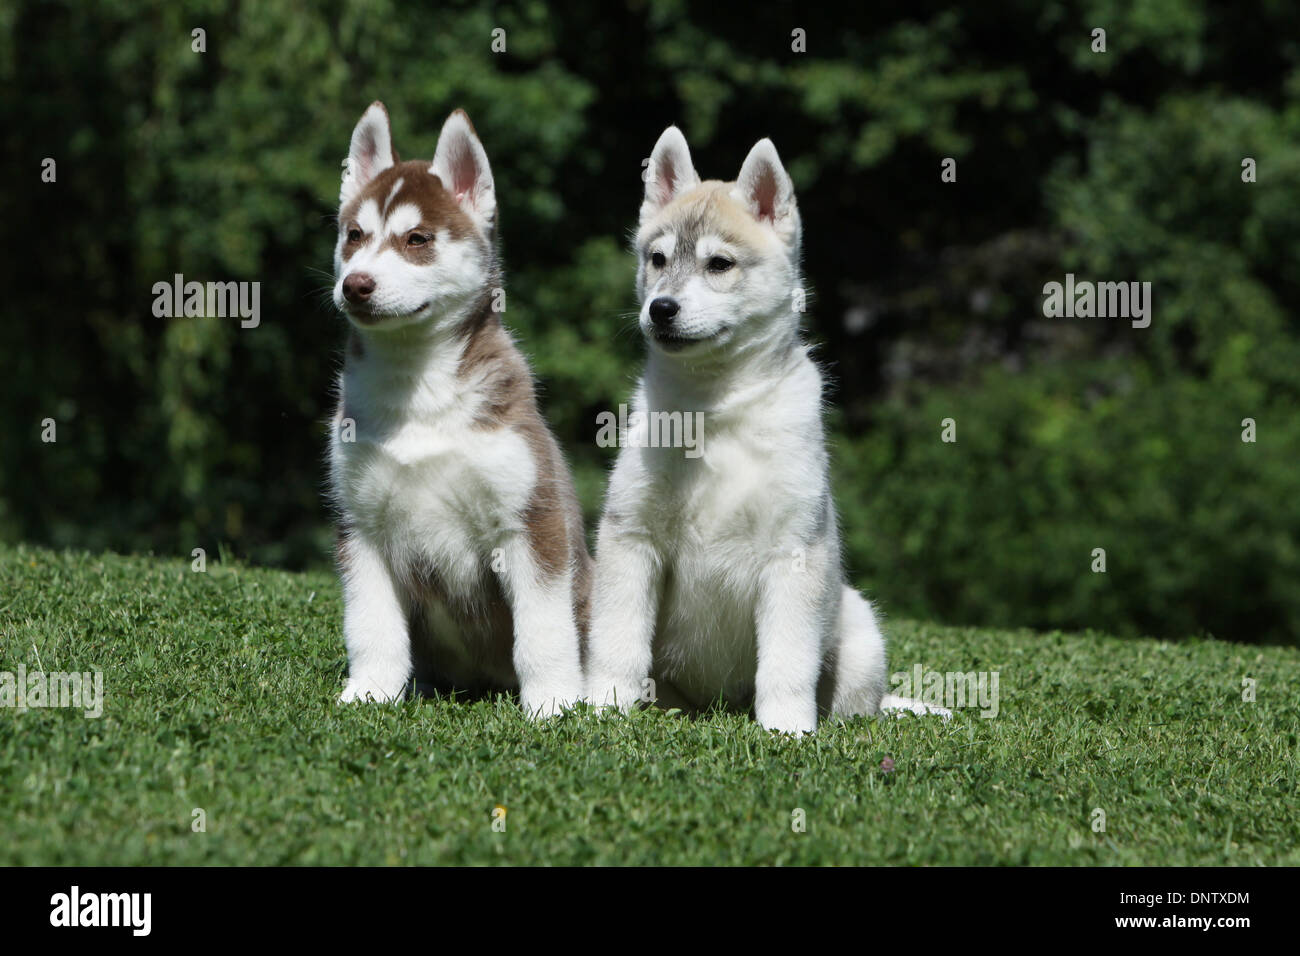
x,y
1073,434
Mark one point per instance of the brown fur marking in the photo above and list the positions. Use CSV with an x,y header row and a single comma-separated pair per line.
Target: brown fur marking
x,y
422,189
553,516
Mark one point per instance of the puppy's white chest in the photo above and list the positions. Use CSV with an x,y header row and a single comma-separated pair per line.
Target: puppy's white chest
x,y
728,501
417,444
432,490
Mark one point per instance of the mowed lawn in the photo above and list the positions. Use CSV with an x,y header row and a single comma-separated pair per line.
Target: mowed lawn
x,y
220,694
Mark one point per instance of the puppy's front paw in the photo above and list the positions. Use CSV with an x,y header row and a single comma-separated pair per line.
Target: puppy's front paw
x,y
616,693
360,688
787,717
540,704
794,727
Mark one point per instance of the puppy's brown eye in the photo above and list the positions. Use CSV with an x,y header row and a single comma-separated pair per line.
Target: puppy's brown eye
x,y
415,239
354,235
657,260
719,264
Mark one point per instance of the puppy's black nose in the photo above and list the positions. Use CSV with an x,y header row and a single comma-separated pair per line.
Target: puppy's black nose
x,y
662,310
358,286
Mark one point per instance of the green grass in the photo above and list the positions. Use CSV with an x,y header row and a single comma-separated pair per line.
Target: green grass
x,y
220,694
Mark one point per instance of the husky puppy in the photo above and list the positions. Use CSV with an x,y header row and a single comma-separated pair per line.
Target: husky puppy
x,y
460,541
718,574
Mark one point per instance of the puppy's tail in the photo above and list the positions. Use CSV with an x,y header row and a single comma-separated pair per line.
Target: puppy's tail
x,y
899,706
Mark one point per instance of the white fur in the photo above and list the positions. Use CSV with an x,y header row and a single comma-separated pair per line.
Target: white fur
x,y
401,219
721,575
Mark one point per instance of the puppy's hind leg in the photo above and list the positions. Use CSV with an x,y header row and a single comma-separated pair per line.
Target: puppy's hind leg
x,y
860,669
861,673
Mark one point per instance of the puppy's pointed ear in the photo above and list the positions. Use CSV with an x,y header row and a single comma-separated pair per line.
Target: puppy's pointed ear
x,y
669,173
765,189
462,164
371,152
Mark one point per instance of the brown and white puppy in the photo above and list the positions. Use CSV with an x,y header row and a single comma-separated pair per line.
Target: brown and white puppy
x,y
461,547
